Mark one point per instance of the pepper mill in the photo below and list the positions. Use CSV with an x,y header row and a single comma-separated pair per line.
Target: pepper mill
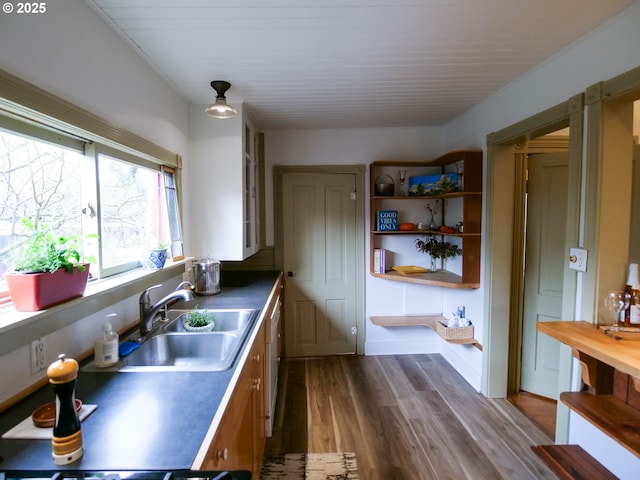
x,y
67,431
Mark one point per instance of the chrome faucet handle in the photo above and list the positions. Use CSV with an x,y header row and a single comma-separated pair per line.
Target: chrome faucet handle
x,y
145,297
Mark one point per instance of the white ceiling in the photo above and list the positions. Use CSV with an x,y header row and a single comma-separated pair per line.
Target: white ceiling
x,y
350,63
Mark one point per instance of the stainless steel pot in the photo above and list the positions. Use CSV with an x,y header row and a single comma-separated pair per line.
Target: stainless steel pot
x,y
207,276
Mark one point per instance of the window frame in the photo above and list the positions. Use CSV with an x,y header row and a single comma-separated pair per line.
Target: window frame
x,y
31,111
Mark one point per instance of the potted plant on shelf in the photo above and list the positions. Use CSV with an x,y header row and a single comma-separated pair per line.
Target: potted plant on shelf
x,y
437,249
47,270
199,320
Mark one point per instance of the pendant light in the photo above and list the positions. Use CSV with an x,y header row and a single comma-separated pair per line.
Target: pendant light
x,y
220,108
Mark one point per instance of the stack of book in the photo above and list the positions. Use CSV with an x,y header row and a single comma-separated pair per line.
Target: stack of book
x,y
379,260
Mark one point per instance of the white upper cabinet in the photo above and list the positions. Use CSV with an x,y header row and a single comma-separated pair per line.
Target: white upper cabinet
x,y
223,186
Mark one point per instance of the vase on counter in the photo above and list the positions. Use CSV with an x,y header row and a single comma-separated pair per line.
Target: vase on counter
x,y
154,258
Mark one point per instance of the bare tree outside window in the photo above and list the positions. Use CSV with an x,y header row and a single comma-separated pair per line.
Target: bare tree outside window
x,y
42,180
133,211
39,181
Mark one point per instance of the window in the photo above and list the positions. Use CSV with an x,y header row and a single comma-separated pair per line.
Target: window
x,y
133,212
75,186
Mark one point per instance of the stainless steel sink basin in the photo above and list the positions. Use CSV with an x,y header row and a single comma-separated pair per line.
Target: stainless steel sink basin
x,y
187,352
172,348
226,320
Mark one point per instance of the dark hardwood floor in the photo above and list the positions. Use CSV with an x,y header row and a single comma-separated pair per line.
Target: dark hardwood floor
x,y
405,417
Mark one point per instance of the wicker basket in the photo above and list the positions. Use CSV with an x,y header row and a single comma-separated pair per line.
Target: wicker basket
x,y
454,333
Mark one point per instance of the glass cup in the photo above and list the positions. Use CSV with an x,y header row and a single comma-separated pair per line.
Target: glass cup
x,y
617,302
402,175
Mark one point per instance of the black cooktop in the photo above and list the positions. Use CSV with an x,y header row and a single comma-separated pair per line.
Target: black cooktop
x,y
121,475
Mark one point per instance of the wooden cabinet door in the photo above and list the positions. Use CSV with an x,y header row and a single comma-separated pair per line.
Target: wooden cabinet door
x,y
232,447
258,400
241,436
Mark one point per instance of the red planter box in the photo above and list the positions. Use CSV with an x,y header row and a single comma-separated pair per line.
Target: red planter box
x,y
31,292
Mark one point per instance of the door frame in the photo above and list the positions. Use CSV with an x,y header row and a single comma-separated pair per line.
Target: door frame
x,y
504,246
359,171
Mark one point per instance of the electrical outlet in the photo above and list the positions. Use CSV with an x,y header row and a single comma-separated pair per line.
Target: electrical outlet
x,y
578,259
38,362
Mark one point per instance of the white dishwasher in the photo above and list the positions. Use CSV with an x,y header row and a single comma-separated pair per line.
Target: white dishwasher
x,y
271,366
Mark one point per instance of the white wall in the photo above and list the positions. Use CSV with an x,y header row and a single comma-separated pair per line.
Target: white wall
x,y
71,52
383,297
608,51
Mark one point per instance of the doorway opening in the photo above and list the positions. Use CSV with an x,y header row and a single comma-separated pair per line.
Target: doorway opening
x,y
540,410
534,388
508,157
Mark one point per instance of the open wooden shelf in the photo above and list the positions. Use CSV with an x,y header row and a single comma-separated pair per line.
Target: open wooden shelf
x,y
572,462
441,278
422,233
423,197
611,415
471,209
611,373
420,321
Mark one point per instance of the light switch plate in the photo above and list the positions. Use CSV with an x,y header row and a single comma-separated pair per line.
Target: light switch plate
x,y
578,259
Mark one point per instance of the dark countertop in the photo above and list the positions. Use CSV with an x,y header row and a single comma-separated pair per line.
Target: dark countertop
x,y
144,421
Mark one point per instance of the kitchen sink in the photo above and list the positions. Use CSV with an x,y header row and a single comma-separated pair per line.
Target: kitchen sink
x,y
226,320
171,348
188,352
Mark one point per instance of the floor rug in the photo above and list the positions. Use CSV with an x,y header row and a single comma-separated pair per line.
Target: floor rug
x,y
310,466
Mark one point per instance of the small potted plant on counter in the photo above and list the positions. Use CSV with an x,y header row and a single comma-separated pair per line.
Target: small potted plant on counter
x,y
437,249
47,270
199,320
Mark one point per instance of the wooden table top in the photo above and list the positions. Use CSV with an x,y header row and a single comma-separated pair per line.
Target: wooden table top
x,y
621,352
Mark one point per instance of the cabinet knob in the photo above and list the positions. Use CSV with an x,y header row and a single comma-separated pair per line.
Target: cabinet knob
x,y
222,454
289,273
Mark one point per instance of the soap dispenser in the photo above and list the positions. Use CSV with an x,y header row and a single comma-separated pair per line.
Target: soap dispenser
x,y
106,346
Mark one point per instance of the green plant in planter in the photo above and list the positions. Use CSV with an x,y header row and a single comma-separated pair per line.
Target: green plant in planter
x,y
437,249
157,244
199,318
44,252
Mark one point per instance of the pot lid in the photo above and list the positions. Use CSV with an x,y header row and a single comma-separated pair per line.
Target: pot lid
x,y
206,261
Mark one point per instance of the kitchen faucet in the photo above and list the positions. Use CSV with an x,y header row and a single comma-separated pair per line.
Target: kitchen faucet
x,y
148,311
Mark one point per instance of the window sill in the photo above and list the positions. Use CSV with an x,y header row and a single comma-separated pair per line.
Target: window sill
x,y
19,328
